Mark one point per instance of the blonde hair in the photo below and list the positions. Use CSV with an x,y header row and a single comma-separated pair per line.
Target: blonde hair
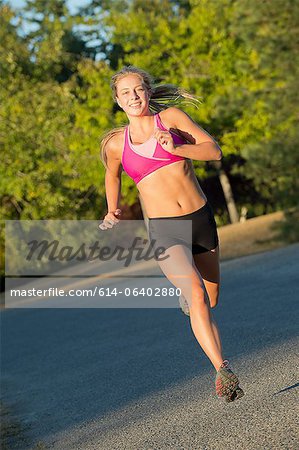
x,y
161,97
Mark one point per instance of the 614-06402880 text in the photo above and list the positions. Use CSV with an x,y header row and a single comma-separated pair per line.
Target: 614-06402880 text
x,y
150,292
97,291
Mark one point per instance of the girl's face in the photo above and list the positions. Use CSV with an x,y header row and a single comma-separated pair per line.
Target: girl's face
x,y
132,95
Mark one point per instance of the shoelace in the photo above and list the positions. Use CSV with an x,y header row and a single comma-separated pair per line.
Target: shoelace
x,y
224,364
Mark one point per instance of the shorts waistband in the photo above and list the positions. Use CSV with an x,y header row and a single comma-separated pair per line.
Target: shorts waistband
x,y
184,216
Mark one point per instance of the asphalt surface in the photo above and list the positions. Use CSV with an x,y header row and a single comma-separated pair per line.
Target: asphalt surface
x,y
137,379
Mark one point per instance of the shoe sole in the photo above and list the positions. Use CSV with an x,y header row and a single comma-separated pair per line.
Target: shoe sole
x,y
230,389
236,394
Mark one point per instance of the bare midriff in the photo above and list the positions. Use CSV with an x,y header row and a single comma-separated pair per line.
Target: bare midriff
x,y
172,190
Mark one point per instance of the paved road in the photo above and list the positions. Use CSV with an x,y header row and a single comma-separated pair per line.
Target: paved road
x,y
136,378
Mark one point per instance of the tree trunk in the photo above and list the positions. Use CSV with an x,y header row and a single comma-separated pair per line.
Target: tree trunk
x,y
228,193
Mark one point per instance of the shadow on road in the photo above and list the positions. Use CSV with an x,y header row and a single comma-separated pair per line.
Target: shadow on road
x,y
287,389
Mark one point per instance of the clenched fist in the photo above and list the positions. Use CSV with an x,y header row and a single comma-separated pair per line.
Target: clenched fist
x,y
110,219
165,140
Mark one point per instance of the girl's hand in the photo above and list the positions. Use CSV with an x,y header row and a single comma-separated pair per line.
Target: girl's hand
x,y
165,140
110,219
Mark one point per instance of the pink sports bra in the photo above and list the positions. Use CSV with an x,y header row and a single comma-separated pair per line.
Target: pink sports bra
x,y
138,161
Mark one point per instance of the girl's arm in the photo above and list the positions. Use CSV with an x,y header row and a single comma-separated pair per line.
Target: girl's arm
x,y
112,186
112,177
202,146
113,191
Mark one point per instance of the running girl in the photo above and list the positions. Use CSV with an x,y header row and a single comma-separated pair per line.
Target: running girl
x,y
156,150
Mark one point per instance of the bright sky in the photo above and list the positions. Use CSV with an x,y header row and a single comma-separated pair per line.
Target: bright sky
x,y
72,4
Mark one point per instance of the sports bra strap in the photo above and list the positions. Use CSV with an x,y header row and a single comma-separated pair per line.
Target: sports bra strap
x,y
159,123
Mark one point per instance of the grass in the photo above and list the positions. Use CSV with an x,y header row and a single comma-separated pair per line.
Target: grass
x,y
252,236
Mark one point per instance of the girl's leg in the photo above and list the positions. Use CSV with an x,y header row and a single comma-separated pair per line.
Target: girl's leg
x,y
181,271
208,266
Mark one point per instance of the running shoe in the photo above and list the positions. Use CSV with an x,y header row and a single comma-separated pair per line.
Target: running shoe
x,y
227,383
184,305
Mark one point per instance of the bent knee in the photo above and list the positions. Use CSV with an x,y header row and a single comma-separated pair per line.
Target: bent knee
x,y
214,299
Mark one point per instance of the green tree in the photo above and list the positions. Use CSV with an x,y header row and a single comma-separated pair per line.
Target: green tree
x,y
267,133
54,39
41,176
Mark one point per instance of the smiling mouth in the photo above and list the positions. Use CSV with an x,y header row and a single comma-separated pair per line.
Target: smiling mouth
x,y
136,106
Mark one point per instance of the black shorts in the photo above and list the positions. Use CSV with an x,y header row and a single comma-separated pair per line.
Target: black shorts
x,y
204,230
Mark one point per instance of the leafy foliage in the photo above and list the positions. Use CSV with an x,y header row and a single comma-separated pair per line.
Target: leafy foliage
x,y
56,101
